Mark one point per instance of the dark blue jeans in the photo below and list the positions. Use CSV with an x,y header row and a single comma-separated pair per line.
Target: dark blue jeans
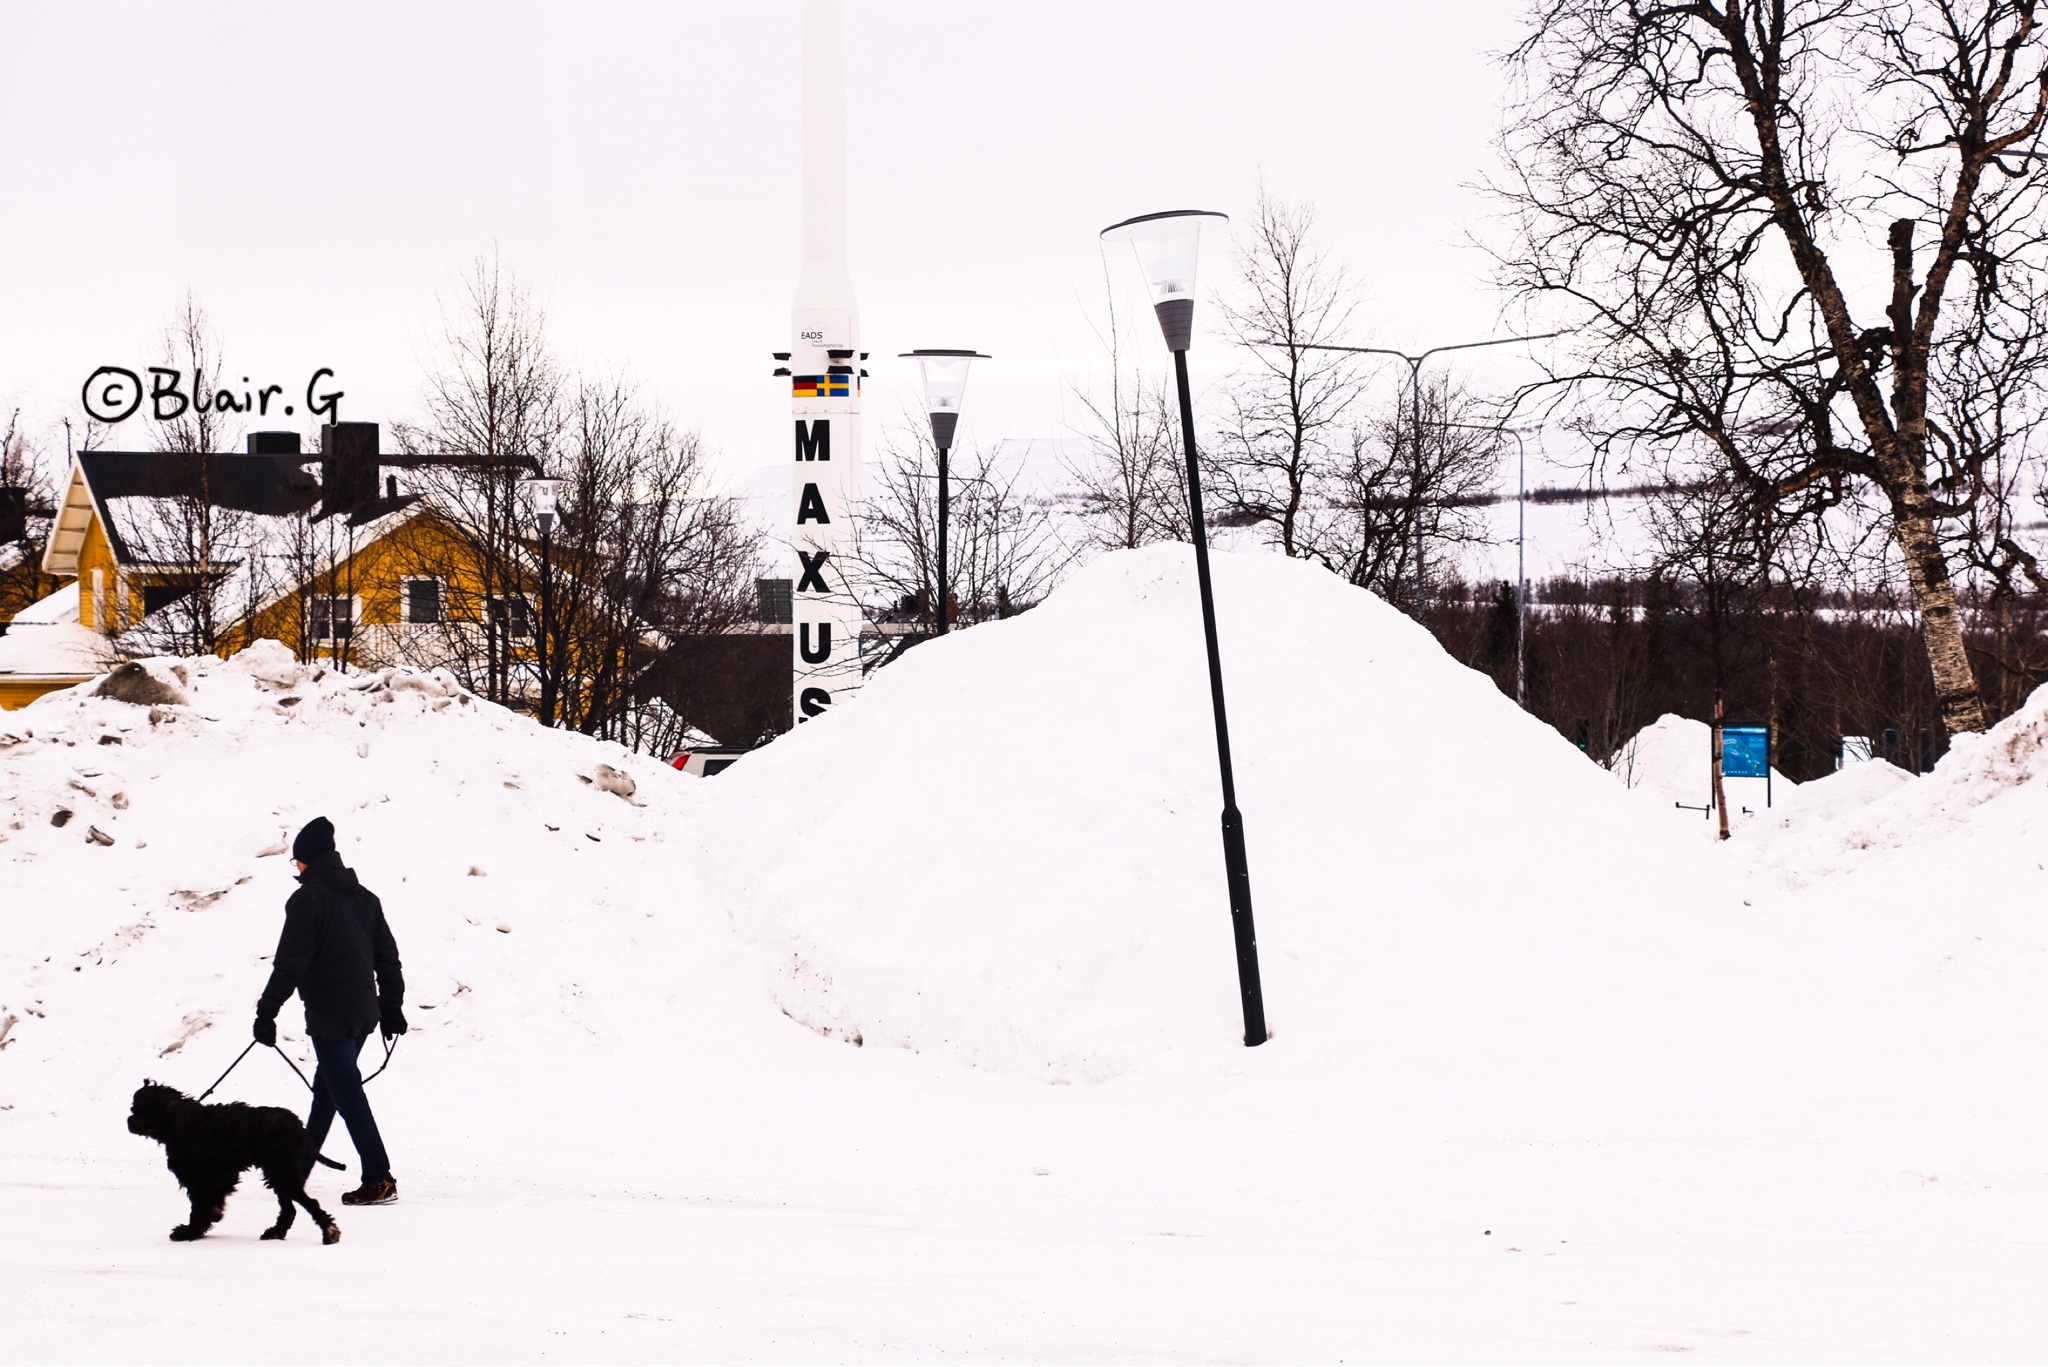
x,y
338,1086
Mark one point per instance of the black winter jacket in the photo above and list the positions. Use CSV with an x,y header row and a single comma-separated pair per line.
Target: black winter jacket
x,y
337,953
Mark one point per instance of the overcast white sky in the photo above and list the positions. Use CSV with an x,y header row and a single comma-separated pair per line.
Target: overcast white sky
x,y
320,176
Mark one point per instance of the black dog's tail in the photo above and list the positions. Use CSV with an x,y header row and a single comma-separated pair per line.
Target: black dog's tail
x,y
329,1162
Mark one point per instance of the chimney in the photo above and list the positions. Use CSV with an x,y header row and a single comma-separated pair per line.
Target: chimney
x,y
13,515
273,443
348,466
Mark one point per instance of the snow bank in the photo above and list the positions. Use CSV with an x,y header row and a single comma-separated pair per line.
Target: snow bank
x,y
1826,802
144,857
1984,806
1540,1077
1007,849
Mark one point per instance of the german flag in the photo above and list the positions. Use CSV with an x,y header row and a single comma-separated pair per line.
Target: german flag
x,y
821,386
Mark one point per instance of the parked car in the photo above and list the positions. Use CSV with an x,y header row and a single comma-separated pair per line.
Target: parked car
x,y
706,760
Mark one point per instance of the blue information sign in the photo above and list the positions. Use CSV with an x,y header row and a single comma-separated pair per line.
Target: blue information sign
x,y
1745,751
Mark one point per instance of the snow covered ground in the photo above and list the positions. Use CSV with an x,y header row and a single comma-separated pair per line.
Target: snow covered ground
x,y
1670,761
915,1035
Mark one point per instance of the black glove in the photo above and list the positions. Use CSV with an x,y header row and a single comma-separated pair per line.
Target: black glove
x,y
266,1030
394,1021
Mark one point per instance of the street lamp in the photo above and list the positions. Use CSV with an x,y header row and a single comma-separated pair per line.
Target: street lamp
x,y
1167,245
545,494
1521,550
945,384
1415,424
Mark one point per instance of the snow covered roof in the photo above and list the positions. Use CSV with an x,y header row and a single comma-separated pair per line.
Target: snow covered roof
x,y
46,639
61,606
64,650
266,559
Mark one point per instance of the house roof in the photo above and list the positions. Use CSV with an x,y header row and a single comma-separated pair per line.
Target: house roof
x,y
59,607
142,495
143,501
45,639
272,485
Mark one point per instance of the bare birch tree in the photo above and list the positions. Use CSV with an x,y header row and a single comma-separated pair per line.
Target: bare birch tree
x,y
200,550
1292,402
499,401
1003,544
1129,485
26,492
1402,491
1807,232
644,557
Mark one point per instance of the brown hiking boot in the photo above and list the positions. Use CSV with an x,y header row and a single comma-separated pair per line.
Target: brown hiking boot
x,y
375,1191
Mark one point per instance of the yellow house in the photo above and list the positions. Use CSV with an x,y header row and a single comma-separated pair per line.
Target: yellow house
x,y
169,553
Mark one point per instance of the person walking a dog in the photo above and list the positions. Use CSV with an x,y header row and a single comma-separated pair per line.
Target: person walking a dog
x,y
337,953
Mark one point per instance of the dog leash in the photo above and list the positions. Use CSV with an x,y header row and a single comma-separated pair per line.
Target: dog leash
x,y
390,1048
231,1068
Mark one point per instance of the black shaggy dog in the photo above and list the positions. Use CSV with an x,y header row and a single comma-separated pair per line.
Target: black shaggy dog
x,y
209,1147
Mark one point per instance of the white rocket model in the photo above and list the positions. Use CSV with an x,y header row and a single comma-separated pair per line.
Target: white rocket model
x,y
824,376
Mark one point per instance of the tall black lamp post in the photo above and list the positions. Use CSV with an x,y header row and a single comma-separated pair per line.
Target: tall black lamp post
x,y
1167,245
545,494
945,384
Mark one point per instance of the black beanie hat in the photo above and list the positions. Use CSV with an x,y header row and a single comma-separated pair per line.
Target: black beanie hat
x,y
315,840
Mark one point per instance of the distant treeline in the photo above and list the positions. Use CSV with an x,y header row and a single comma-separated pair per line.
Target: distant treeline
x,y
1606,657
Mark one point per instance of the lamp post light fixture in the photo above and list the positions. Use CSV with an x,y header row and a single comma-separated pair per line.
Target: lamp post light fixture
x,y
1167,246
545,494
1415,424
945,384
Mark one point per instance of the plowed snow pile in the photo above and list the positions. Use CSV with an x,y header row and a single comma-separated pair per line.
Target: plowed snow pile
x,y
144,853
1009,850
1549,1079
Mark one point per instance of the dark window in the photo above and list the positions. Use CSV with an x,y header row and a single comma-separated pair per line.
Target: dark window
x,y
330,618
716,766
513,617
422,600
158,596
776,606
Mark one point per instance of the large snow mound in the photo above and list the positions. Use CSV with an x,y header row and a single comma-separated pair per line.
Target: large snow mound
x,y
1007,847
